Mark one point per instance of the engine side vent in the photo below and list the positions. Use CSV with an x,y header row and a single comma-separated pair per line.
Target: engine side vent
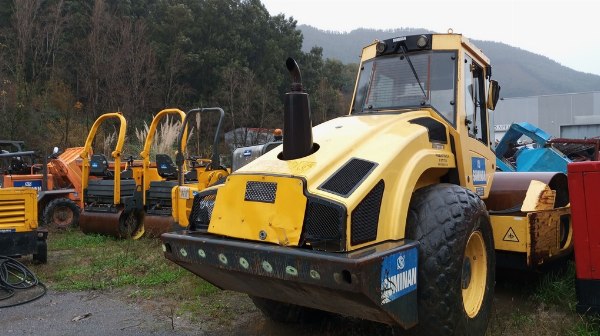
x,y
324,225
12,213
365,217
202,209
346,179
260,191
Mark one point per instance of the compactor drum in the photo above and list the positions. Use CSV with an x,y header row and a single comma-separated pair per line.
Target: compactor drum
x,y
112,197
379,214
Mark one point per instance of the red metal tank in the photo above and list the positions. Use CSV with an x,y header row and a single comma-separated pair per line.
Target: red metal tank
x,y
584,190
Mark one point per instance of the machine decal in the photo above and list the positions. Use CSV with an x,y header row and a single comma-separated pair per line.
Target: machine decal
x,y
479,174
511,236
443,159
8,230
398,275
247,152
302,166
37,185
480,191
184,192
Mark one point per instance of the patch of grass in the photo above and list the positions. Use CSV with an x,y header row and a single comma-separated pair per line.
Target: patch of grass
x,y
520,320
558,288
94,262
72,239
586,326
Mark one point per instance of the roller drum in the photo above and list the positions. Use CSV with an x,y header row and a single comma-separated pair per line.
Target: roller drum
x,y
509,188
118,224
154,225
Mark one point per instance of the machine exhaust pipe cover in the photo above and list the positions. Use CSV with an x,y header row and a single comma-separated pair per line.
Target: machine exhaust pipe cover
x,y
297,124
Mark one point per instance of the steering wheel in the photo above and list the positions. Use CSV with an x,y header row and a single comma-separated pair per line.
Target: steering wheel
x,y
196,161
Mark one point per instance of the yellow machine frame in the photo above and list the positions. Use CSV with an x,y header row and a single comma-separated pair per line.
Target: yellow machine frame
x,y
116,153
19,231
150,173
348,216
183,195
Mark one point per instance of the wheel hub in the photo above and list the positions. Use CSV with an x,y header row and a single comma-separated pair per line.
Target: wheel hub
x,y
474,274
466,273
62,216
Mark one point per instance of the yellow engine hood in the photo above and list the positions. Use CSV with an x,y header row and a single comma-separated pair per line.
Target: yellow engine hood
x,y
377,138
389,141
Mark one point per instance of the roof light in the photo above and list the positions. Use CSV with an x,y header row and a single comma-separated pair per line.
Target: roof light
x,y
422,41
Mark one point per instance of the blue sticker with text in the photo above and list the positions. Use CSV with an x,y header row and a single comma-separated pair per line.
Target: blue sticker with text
x,y
398,275
37,184
479,174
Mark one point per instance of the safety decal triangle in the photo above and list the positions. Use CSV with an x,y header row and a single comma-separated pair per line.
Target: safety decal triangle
x,y
511,236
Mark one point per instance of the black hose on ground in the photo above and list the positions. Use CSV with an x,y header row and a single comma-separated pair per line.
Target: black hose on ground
x,y
14,276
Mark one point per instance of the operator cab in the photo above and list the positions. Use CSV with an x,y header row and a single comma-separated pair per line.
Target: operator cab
x,y
444,75
407,73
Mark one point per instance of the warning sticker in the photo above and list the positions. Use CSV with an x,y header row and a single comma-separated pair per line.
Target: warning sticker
x,y
511,236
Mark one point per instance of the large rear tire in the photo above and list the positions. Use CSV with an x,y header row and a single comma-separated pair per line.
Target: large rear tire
x,y
457,263
61,213
287,312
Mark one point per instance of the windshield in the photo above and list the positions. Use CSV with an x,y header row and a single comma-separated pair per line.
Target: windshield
x,y
408,81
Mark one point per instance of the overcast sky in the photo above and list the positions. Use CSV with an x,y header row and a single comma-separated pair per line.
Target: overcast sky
x,y
565,31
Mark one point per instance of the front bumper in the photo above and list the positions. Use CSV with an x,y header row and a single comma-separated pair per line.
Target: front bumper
x,y
20,243
376,283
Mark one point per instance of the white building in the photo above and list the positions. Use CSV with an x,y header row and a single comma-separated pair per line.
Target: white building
x,y
570,115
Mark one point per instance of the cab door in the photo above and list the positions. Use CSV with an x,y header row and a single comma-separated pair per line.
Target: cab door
x,y
479,160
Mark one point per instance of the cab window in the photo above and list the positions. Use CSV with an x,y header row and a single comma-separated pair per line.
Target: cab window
x,y
474,90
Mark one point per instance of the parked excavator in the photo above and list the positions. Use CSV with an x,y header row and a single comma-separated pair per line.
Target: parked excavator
x,y
384,214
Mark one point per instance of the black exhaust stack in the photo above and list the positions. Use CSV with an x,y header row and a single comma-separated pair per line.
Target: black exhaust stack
x,y
297,125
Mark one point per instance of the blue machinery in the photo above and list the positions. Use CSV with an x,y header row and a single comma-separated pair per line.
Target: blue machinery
x,y
540,156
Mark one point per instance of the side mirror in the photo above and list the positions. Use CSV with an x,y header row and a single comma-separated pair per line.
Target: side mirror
x,y
493,95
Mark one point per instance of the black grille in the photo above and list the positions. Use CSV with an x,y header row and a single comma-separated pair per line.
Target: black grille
x,y
202,209
347,178
365,217
260,191
324,225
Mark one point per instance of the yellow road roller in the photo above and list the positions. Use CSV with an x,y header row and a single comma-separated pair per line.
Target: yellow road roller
x,y
380,214
112,196
203,172
159,178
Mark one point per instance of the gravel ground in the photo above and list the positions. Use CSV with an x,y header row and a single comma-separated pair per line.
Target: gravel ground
x,y
84,313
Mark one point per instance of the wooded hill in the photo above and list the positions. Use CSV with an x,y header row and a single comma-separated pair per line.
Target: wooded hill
x,y
65,62
520,73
